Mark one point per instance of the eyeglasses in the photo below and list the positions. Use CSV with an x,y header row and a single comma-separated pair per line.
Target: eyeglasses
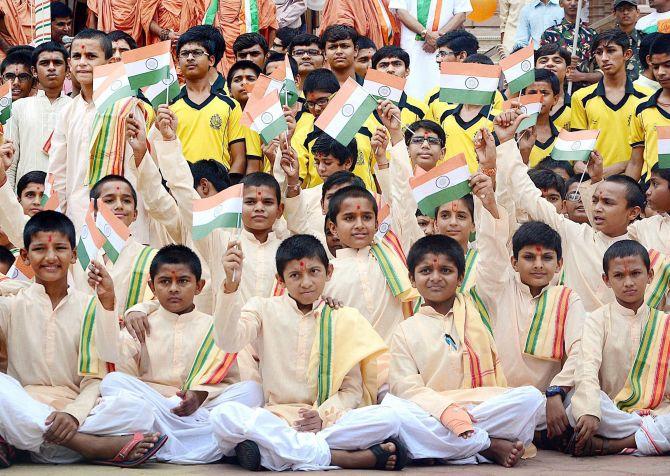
x,y
23,77
574,196
442,53
184,54
299,53
419,140
321,102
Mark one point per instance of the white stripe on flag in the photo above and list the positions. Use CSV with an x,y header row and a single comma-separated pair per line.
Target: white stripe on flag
x,y
203,217
468,83
341,119
575,145
454,177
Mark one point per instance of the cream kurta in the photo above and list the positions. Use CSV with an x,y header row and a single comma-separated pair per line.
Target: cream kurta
x,y
69,159
583,247
12,218
43,348
284,338
165,359
652,232
511,307
428,371
609,345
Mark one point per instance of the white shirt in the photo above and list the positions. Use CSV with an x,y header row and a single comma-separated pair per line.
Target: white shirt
x,y
649,20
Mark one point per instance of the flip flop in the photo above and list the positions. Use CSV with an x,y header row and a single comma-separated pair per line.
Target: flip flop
x,y
7,454
248,455
382,456
120,459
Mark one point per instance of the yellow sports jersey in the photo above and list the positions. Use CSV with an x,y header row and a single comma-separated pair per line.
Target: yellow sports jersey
x,y
411,110
207,130
648,116
543,149
592,110
561,118
461,134
252,140
436,108
303,138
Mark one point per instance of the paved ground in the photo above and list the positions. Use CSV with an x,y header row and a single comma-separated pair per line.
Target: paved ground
x,y
544,463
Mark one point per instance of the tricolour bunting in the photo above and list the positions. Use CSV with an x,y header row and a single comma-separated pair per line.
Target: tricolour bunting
x,y
110,84
468,83
90,240
382,85
148,65
265,116
576,145
519,69
445,183
528,104
223,210
116,232
42,22
663,133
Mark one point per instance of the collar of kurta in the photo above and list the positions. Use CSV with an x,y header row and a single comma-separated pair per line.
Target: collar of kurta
x,y
352,252
251,237
526,290
182,317
42,94
642,312
538,3
316,306
429,311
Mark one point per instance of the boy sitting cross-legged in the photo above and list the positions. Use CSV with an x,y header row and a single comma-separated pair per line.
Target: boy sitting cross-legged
x,y
177,369
447,385
48,395
317,366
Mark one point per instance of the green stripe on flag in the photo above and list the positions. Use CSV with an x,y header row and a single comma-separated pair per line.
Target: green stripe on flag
x,y
356,120
573,155
111,252
429,204
530,121
149,78
521,82
664,161
225,220
272,130
5,114
160,98
253,13
465,96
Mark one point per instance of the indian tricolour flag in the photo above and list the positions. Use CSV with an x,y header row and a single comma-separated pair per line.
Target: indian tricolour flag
x,y
288,93
110,84
20,271
5,102
382,85
148,65
50,200
576,145
223,210
663,133
384,222
468,83
90,240
42,22
528,104
263,86
519,68
346,112
265,116
114,231
445,183
164,91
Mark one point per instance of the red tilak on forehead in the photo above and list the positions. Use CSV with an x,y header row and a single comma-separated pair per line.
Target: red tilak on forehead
x,y
358,207
538,249
49,238
454,206
302,264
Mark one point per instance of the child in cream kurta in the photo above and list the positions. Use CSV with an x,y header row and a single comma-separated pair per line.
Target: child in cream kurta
x,y
157,369
43,346
609,345
285,339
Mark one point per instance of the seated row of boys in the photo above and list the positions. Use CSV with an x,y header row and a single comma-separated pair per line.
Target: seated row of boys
x,y
448,382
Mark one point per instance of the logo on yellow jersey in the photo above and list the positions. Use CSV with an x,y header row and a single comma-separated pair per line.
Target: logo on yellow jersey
x,y
215,122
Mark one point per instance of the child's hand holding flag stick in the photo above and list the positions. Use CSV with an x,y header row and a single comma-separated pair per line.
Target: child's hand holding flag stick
x,y
232,266
100,280
291,167
390,116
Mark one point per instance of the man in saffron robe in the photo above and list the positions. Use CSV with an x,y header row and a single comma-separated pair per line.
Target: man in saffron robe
x,y
371,18
16,23
111,15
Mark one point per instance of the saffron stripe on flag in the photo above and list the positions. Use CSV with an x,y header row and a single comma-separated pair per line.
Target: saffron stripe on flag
x,y
383,85
519,68
444,183
663,133
530,104
147,65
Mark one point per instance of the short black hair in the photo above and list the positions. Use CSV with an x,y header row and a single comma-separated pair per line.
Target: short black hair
x,y
364,43
286,35
326,145
338,33
429,126
95,190
217,39
553,49
390,52
549,77
199,37
469,201
352,191
537,233
459,41
275,57
48,47
239,65
60,10
438,245
299,247
176,254
49,220
576,179
321,79
479,58
653,44
99,36
634,194
304,39
120,35
6,256
663,173
550,164
212,170
341,177
261,179
547,179
34,176
21,57
624,249
613,36
249,40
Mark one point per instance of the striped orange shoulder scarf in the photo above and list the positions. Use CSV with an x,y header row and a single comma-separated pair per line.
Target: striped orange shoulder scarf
x,y
658,289
211,364
546,335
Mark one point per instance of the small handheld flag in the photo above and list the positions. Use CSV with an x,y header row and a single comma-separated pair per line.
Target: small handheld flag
x,y
20,271
445,183
110,84
263,86
265,116
288,93
165,90
223,210
383,86
50,200
468,83
575,146
148,65
663,133
530,104
519,68
115,232
90,240
346,112
42,22
661,26
5,102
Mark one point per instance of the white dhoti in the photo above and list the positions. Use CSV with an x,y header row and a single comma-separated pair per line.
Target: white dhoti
x,y
510,416
652,433
22,421
190,438
424,73
282,447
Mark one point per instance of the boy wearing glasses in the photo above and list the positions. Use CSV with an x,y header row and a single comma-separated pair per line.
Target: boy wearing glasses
x,y
306,51
208,123
15,69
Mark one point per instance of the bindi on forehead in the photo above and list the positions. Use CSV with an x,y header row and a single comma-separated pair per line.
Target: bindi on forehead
x,y
454,206
538,249
50,238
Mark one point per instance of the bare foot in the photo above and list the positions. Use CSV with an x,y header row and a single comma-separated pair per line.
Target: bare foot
x,y
107,447
363,459
504,452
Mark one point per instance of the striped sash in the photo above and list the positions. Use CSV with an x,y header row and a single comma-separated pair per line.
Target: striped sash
x,y
546,335
481,307
394,271
325,374
139,277
428,14
386,22
211,364
659,286
469,275
89,364
646,381
249,16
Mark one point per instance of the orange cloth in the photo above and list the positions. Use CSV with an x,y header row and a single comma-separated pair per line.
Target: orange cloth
x,y
18,20
456,419
175,15
228,21
110,15
365,16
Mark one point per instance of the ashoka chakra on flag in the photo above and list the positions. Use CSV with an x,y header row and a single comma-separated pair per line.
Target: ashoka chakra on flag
x,y
471,82
384,91
5,102
384,227
151,63
267,118
442,181
526,66
576,145
348,110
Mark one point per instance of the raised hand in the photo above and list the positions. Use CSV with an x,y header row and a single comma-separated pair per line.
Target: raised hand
x,y
166,122
485,148
100,280
232,266
506,124
289,162
595,166
7,151
379,141
136,136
